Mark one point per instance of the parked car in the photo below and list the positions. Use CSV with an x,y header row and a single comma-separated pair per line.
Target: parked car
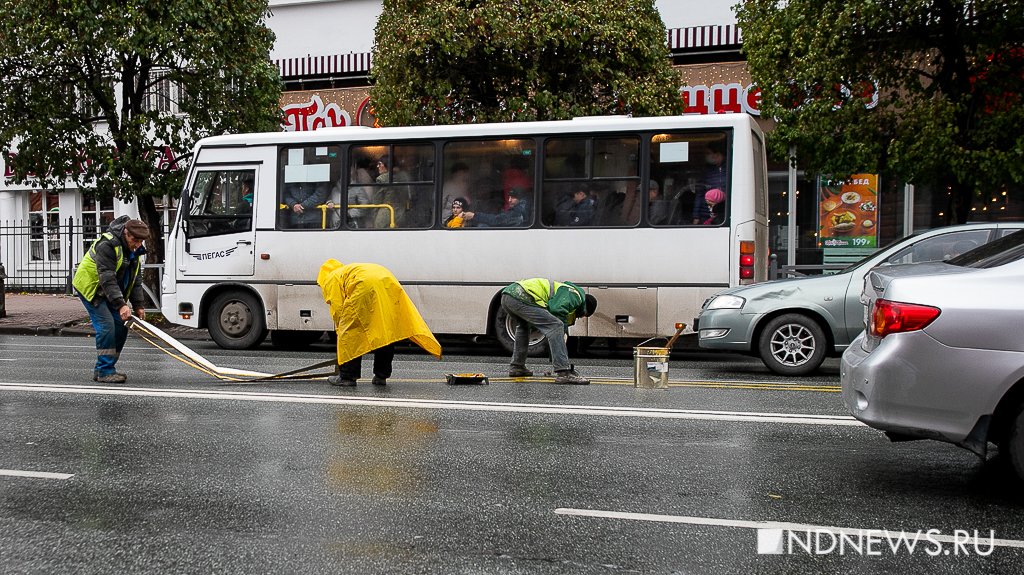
x,y
794,324
943,354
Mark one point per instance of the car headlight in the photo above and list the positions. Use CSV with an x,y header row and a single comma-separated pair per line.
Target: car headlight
x,y
726,302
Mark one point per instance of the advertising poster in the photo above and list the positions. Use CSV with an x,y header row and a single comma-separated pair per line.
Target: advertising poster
x,y
847,211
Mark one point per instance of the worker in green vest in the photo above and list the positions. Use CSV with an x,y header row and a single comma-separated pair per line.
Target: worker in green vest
x,y
551,307
107,281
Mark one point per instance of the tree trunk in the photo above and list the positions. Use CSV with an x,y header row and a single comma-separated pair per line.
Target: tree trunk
x,y
962,196
155,243
152,217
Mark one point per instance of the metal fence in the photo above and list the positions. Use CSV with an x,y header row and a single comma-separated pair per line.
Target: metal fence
x,y
776,271
42,257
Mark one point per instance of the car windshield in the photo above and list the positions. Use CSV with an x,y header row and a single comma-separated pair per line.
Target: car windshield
x,y
993,254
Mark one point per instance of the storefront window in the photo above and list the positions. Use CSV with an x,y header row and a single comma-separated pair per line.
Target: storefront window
x,y
97,213
44,223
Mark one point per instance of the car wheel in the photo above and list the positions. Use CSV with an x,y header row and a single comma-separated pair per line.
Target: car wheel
x,y
1015,442
236,321
504,329
792,344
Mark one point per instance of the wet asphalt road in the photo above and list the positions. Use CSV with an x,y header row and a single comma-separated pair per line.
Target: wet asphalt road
x,y
177,472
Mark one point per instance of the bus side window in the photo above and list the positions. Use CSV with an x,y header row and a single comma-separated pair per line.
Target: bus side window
x,y
686,166
591,182
403,186
307,179
494,178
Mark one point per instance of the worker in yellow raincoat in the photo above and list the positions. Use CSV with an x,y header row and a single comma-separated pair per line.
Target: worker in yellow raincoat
x,y
371,312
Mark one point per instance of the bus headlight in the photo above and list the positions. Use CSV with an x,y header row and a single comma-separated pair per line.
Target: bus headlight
x,y
727,302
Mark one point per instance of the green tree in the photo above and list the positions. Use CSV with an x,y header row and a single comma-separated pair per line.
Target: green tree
x,y
471,61
87,87
949,77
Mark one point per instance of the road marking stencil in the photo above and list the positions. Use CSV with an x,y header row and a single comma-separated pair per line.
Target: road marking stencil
x,y
599,410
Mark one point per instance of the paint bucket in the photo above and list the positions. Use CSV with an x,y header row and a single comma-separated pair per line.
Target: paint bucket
x,y
650,367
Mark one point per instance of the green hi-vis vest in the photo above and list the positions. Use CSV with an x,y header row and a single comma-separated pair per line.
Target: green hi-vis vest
x,y
563,304
540,289
87,279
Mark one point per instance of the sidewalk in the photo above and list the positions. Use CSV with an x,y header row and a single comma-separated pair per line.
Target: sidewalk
x,y
49,314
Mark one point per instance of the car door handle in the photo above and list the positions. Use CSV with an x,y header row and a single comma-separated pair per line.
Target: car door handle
x,y
244,243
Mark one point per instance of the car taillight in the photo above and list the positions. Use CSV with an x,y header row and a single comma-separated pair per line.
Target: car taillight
x,y
897,317
746,261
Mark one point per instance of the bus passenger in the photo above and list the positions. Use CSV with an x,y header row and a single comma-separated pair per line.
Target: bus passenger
x,y
715,203
371,312
302,199
516,215
658,209
395,196
246,191
454,219
360,178
456,185
551,307
577,209
714,178
515,177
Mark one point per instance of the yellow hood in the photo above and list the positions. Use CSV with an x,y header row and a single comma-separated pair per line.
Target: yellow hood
x,y
370,310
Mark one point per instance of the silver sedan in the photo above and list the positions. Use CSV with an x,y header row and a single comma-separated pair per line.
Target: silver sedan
x,y
794,324
943,354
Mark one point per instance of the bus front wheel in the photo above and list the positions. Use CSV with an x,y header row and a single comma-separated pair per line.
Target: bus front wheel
x,y
504,329
236,320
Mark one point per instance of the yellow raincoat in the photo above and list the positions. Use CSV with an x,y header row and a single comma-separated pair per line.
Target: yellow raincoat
x,y
370,310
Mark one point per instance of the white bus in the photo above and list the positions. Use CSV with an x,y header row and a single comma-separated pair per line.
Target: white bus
x,y
614,204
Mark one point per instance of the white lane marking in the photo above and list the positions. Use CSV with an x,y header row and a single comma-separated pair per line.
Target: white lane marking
x,y
35,474
3,359
761,525
619,411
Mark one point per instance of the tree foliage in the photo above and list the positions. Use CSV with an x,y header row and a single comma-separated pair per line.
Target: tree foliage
x,y
80,98
949,77
471,61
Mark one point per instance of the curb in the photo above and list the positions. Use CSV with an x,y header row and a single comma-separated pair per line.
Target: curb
x,y
58,329
76,328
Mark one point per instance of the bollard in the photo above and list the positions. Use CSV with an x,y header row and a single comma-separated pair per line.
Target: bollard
x,y
3,291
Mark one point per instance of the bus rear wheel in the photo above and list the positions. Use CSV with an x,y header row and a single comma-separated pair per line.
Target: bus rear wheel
x,y
236,320
504,329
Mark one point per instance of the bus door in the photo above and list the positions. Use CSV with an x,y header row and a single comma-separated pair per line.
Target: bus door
x,y
218,226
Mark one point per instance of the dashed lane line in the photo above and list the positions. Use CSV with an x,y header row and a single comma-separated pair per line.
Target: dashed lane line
x,y
596,410
35,474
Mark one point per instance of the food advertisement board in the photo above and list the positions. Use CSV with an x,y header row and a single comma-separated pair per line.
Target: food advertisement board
x,y
847,212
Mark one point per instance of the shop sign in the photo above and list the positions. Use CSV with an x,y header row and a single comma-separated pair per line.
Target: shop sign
x,y
732,98
314,114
